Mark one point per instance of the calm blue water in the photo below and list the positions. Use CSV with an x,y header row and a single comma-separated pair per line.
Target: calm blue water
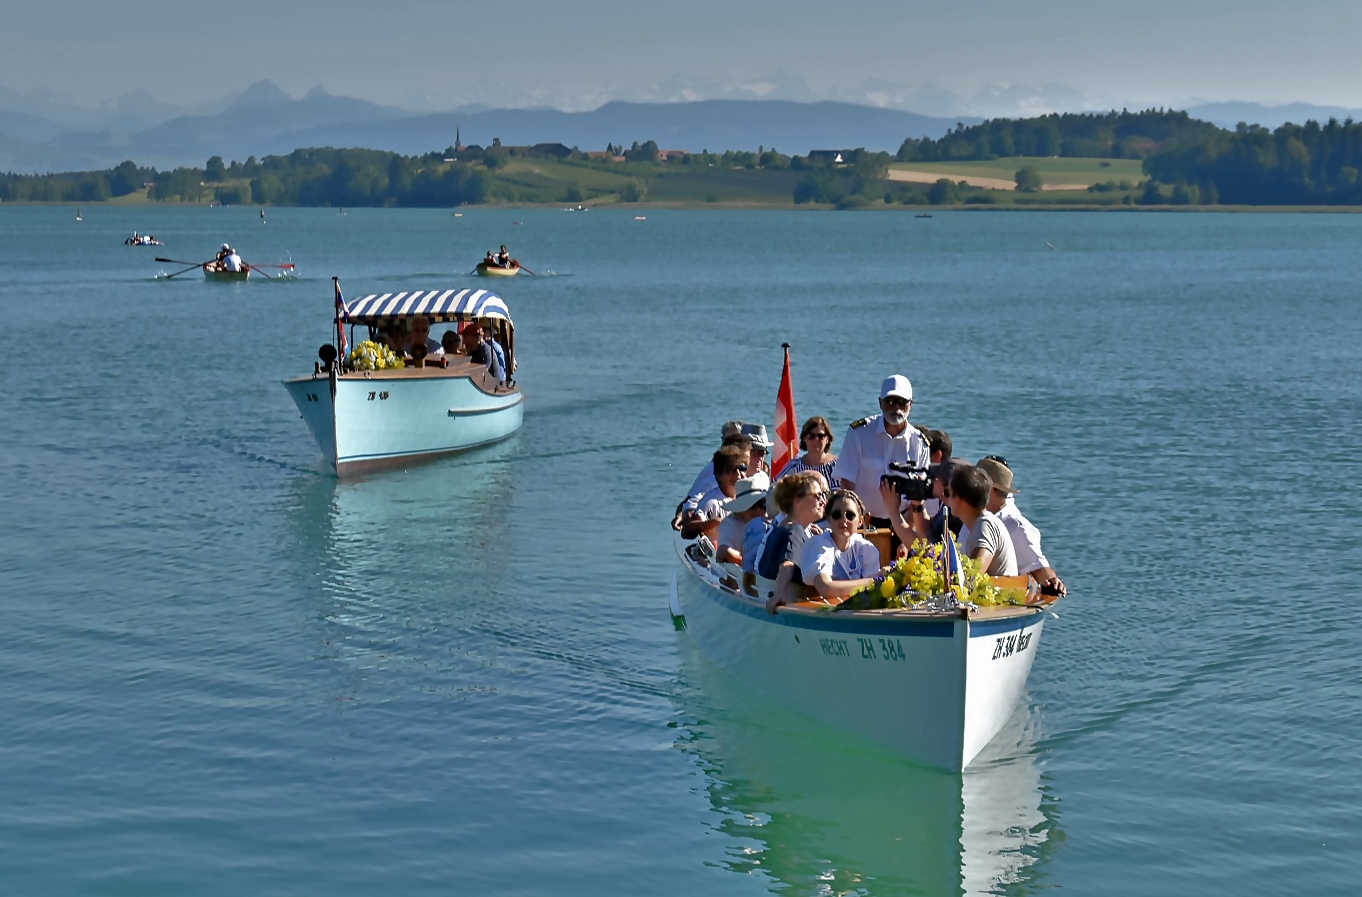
x,y
224,673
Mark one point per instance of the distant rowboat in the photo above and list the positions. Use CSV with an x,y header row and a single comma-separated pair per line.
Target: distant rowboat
x,y
486,270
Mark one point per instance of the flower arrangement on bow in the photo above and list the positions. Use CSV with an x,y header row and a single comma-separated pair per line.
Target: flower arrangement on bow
x,y
920,576
372,356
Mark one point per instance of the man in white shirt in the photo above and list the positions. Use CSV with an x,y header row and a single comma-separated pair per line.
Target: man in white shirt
x,y
230,261
1031,561
872,443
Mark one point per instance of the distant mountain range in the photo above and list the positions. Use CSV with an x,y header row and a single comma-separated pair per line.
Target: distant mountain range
x,y
40,133
264,120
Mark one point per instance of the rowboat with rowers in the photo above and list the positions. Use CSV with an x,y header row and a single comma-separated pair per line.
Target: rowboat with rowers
x,y
215,271
493,270
368,419
933,684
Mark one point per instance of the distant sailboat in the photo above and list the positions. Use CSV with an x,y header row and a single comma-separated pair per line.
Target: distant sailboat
x,y
78,215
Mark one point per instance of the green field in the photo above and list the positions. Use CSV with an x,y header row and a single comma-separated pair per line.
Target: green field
x,y
1052,170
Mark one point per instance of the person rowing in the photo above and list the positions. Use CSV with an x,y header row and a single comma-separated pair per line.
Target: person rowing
x,y
504,257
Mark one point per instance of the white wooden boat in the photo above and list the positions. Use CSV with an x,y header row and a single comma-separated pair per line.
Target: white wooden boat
x,y
371,420
214,271
935,686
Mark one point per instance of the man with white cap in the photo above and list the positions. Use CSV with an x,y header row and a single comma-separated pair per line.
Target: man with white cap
x,y
873,443
731,434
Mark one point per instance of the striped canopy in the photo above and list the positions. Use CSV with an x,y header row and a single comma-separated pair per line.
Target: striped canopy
x,y
437,305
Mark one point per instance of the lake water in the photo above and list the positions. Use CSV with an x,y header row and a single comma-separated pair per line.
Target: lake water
x,y
225,673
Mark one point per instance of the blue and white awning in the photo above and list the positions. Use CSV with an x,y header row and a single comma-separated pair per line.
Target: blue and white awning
x,y
437,305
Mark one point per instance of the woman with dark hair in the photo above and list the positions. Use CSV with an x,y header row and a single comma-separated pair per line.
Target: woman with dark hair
x,y
815,440
841,560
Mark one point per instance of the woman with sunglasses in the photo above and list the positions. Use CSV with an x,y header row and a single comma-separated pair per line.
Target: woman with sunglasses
x,y
815,440
801,498
841,560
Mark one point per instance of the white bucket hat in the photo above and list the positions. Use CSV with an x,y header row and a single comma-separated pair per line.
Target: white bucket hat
x,y
748,492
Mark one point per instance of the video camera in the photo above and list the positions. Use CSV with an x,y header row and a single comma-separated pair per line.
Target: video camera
x,y
913,483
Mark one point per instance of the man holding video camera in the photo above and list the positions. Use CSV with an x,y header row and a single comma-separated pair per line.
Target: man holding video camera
x,y
873,443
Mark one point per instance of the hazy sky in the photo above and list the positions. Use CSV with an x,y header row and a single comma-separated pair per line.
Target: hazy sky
x,y
573,54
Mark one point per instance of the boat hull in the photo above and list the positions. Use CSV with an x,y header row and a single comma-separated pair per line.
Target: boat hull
x,y
364,424
934,688
213,274
487,270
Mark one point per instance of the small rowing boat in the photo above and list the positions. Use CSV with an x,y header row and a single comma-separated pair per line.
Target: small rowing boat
x,y
366,419
212,271
934,685
486,270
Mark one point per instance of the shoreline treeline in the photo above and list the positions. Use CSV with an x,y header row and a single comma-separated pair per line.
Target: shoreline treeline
x,y
1186,161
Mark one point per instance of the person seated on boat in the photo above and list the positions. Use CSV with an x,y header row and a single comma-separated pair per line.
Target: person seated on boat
x,y
982,535
491,259
801,497
730,434
1031,561
761,447
481,353
747,504
451,342
815,441
489,336
841,560
504,257
872,443
231,261
920,520
730,465
420,335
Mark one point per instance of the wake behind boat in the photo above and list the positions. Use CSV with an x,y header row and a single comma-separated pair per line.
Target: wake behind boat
x,y
370,409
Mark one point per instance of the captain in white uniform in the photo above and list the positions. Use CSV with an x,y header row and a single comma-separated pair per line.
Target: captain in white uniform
x,y
872,443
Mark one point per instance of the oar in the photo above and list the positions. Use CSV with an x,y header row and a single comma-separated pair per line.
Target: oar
x,y
526,270
179,262
256,269
190,268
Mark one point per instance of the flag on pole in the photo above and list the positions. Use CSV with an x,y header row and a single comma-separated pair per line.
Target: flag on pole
x,y
787,424
342,317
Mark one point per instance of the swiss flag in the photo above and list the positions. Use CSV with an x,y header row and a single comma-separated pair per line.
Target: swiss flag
x,y
787,424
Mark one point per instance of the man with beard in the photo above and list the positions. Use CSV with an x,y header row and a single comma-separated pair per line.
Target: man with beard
x,y
872,443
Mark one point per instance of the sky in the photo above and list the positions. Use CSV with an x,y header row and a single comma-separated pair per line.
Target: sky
x,y
424,54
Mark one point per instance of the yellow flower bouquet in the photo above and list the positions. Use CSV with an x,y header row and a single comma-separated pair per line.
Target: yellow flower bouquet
x,y
372,356
920,577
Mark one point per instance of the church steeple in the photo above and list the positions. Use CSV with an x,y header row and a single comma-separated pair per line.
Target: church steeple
x,y
458,143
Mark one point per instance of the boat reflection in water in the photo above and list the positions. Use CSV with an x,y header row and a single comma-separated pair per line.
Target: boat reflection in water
x,y
386,558
818,811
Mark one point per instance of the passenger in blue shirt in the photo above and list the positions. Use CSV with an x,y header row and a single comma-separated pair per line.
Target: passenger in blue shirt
x,y
499,369
480,352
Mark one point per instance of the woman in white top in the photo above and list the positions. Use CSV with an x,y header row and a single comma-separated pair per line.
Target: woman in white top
x,y
841,560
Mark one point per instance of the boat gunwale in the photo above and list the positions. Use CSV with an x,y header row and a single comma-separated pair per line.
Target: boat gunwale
x,y
801,616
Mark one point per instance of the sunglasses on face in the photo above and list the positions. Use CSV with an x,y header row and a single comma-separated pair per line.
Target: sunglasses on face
x,y
741,468
896,402
819,436
821,496
847,515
